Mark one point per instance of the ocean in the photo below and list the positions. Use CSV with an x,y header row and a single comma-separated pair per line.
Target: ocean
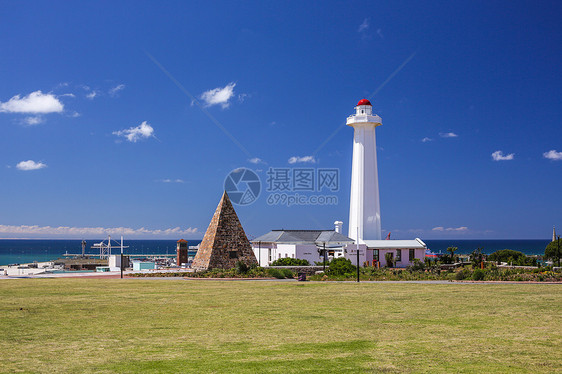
x,y
21,251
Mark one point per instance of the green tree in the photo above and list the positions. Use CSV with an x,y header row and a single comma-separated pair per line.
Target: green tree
x,y
553,251
452,251
506,255
476,257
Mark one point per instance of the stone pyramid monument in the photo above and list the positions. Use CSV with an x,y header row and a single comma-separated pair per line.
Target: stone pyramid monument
x,y
225,241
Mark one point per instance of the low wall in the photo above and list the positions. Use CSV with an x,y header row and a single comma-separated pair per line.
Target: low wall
x,y
308,270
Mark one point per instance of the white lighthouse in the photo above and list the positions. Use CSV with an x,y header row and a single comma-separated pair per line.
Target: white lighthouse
x,y
364,207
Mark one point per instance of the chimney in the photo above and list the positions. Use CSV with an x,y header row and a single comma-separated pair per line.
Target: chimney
x,y
338,225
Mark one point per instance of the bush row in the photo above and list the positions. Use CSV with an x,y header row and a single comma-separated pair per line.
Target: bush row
x,y
488,274
237,272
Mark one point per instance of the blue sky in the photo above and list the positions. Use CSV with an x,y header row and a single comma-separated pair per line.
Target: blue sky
x,y
126,117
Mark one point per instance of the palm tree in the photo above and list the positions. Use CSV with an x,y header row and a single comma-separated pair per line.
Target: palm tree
x,y
476,257
452,251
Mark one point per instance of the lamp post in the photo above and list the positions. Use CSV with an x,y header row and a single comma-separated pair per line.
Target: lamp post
x,y
558,250
357,263
324,268
121,263
357,254
259,253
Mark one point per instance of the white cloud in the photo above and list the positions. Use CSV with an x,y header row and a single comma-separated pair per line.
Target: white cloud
x,y
30,165
172,181
35,102
133,134
256,160
219,96
113,91
304,159
448,135
499,156
553,155
65,231
462,228
426,139
379,33
364,26
68,95
33,120
441,228
92,95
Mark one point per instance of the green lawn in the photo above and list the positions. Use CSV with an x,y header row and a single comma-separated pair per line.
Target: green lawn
x,y
175,325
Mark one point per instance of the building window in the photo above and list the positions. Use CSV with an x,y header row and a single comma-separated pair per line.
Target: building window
x,y
398,255
292,255
286,255
412,254
376,254
233,254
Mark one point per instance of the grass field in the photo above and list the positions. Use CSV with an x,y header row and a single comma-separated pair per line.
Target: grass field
x,y
175,325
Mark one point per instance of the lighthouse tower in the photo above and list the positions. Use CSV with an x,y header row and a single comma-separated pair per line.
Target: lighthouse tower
x,y
364,207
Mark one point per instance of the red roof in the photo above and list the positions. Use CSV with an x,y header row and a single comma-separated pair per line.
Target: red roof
x,y
364,102
182,241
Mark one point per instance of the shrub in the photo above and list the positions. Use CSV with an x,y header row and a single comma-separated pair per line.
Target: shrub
x,y
241,267
389,258
417,265
460,275
478,275
289,261
287,273
321,263
341,266
275,273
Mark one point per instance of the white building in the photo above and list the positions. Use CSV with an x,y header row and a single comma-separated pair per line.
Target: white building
x,y
373,252
364,205
310,245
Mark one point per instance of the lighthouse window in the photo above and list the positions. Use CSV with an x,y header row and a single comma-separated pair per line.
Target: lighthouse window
x,y
233,254
362,111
